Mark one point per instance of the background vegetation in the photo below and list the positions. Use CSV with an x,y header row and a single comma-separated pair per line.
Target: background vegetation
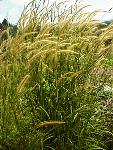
x,y
53,74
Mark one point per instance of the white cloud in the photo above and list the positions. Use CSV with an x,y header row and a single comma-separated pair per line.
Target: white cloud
x,y
12,9
19,2
13,15
3,10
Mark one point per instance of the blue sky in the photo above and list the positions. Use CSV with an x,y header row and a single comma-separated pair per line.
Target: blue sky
x,y
12,9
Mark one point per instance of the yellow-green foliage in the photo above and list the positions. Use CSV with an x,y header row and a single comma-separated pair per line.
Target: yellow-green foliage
x,y
50,73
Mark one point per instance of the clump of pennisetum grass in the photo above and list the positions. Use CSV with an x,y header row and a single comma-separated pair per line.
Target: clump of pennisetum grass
x,y
50,73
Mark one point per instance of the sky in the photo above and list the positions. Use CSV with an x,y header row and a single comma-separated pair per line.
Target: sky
x,y
11,9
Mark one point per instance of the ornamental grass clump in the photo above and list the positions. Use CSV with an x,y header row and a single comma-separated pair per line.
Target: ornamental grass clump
x,y
51,73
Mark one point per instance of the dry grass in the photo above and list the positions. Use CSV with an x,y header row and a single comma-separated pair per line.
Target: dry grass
x,y
49,75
